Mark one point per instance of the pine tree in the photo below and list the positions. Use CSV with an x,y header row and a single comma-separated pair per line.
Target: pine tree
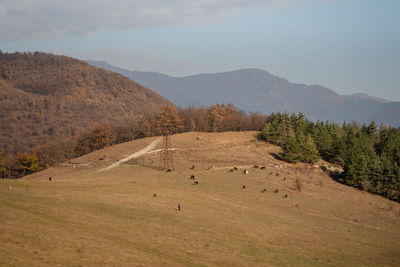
x,y
310,151
323,141
276,128
292,150
362,164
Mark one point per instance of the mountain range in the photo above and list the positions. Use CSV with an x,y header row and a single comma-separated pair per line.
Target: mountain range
x,y
256,90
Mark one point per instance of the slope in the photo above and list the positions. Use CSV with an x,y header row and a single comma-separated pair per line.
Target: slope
x,y
257,90
89,217
44,96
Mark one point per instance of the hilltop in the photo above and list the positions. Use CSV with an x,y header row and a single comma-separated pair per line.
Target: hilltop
x,y
44,96
90,215
257,90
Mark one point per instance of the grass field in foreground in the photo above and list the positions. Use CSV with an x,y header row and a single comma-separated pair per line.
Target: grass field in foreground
x,y
86,217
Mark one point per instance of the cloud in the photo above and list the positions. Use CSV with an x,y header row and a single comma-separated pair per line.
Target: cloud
x,y
44,19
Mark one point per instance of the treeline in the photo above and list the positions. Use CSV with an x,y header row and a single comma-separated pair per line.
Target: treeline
x,y
370,156
216,118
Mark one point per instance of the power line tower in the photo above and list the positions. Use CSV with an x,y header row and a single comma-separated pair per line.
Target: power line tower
x,y
166,159
168,122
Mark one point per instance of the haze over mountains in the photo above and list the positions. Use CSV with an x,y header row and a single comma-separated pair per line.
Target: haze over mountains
x,y
257,90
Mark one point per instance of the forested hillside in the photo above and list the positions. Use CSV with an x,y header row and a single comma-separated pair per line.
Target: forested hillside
x,y
370,157
216,118
45,97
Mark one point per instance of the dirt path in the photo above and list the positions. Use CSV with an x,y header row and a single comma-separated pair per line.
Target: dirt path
x,y
134,155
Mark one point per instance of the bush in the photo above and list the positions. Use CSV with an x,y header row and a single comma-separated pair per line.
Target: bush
x,y
298,185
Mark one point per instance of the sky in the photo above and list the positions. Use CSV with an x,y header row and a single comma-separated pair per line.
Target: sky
x,y
349,46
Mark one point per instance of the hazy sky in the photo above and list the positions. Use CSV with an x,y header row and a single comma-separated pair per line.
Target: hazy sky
x,y
349,46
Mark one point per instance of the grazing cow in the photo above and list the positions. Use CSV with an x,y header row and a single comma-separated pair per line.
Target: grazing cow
x,y
50,179
179,206
192,167
262,168
276,191
243,186
285,196
192,177
264,190
255,166
155,195
168,170
245,172
284,179
195,183
233,169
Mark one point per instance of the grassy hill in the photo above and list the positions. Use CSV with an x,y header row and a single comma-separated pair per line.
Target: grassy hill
x,y
45,96
90,216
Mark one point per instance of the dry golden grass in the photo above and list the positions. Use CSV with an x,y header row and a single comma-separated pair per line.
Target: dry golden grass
x,y
85,217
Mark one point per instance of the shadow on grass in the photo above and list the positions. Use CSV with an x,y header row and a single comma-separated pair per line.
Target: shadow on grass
x,y
276,156
389,192
153,166
336,176
259,137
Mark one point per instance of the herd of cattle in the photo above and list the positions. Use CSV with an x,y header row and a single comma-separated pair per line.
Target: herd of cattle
x,y
236,169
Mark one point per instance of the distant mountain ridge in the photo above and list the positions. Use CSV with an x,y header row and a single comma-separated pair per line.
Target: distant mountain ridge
x,y
257,90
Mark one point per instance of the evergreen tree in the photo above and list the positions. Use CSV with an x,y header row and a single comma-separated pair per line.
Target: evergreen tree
x,y
301,148
292,150
362,164
323,141
276,128
309,150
